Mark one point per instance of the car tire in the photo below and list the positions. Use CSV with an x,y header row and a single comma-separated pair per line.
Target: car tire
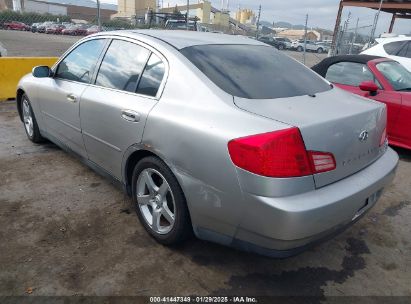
x,y
281,47
320,51
29,120
158,195
300,49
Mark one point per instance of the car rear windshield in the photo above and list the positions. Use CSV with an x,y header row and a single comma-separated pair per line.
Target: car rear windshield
x,y
254,72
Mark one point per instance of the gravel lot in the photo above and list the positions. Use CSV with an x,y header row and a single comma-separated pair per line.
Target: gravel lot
x,y
35,44
64,230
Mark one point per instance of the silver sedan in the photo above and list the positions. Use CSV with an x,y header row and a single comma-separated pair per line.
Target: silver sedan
x,y
218,135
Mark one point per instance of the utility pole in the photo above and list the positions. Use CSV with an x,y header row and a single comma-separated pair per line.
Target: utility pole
x,y
98,16
305,37
188,9
355,37
374,26
258,21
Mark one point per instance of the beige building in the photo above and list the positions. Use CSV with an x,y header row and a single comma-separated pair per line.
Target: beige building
x,y
245,16
299,34
130,8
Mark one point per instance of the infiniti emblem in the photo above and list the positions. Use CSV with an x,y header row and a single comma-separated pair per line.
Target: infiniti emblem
x,y
363,136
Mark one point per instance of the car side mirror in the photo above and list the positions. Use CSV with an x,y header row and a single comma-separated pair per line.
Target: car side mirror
x,y
369,86
42,72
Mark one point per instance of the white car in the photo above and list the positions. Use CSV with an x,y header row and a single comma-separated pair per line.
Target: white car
x,y
310,46
3,51
397,48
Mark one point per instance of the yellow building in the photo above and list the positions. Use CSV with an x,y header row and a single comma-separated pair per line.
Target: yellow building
x,y
129,8
245,16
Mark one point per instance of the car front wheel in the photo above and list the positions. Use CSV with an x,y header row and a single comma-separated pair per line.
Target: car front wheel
x,y
30,122
160,203
320,50
300,49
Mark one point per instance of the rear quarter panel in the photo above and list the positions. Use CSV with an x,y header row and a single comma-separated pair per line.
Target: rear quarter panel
x,y
189,129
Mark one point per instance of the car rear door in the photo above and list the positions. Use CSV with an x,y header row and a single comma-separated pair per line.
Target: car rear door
x,y
115,108
60,96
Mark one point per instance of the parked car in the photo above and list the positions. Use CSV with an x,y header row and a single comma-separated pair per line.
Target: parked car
x,y
378,78
34,27
93,30
42,27
180,24
15,25
264,154
273,42
287,42
312,46
56,29
396,48
3,51
75,30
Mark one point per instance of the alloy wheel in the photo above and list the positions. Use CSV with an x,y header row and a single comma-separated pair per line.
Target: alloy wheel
x,y
156,201
27,118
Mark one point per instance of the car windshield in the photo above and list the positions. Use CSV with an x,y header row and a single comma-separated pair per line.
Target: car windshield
x,y
254,72
396,74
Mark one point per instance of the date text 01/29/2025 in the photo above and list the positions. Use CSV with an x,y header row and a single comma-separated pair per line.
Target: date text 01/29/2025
x,y
201,299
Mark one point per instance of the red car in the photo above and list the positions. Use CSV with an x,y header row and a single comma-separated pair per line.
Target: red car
x,y
93,30
378,78
76,30
15,25
55,29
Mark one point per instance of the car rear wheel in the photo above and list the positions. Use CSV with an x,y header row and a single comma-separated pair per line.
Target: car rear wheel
x,y
300,49
30,122
320,50
160,203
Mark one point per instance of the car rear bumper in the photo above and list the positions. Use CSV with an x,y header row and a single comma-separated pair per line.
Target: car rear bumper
x,y
284,226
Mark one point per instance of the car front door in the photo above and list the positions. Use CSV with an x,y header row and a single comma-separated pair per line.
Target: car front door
x,y
115,108
60,96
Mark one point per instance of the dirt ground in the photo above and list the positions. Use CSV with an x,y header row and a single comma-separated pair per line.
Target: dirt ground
x,y
64,230
37,44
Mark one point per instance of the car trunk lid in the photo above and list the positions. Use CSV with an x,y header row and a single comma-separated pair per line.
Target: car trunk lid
x,y
348,126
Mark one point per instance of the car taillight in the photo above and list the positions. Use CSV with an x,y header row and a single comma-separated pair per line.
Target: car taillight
x,y
278,154
383,137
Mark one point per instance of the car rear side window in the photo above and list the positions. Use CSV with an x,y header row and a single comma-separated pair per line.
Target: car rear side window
x,y
349,73
122,66
152,76
80,63
393,48
254,71
405,51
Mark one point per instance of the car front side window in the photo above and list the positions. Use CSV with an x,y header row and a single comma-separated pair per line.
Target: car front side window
x,y
349,73
79,64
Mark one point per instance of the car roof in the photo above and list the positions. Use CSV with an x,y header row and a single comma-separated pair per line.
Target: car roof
x,y
322,67
180,39
392,39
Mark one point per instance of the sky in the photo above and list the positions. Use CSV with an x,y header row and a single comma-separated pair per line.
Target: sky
x,y
321,13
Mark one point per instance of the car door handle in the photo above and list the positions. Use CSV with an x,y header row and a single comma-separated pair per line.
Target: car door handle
x,y
71,98
130,115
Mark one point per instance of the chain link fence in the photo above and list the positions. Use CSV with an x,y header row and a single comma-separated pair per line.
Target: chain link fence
x,y
353,39
88,24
